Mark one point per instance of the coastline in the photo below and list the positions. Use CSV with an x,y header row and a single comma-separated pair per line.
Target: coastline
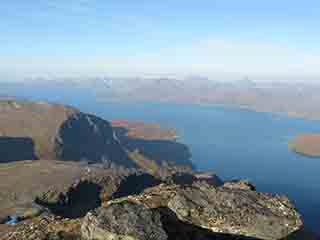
x,y
290,114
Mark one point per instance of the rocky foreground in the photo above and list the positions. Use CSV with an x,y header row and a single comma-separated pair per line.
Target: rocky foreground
x,y
183,206
197,211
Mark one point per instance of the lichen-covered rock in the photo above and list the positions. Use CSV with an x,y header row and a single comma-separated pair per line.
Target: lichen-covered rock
x,y
223,210
236,212
123,221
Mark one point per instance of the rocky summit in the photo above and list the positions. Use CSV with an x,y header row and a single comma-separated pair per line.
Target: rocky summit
x,y
107,207
216,210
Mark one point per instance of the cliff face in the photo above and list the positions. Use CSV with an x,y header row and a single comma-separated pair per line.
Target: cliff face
x,y
89,138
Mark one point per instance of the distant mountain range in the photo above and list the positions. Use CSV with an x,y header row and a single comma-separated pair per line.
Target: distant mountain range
x,y
299,99
295,99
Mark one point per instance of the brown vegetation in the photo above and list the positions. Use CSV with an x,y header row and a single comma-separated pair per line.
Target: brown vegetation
x,y
38,121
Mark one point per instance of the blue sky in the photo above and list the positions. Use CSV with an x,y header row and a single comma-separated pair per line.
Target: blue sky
x,y
223,39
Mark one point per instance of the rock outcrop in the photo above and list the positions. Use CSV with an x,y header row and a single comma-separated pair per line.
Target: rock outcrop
x,y
187,211
221,210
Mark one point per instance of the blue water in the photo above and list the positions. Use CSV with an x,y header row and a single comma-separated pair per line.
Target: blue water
x,y
233,143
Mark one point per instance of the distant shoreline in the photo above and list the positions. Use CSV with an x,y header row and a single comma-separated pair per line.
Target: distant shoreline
x,y
290,114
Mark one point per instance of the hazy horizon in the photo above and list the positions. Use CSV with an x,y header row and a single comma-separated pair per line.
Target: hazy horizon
x,y
221,40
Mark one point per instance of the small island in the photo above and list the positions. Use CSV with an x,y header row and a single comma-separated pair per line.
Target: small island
x,y
306,144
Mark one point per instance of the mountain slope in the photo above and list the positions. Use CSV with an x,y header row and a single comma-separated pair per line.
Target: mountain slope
x,y
52,131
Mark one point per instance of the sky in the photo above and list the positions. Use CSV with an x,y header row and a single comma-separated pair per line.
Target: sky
x,y
221,39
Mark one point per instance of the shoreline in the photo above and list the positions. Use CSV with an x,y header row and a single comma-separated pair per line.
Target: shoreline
x,y
289,114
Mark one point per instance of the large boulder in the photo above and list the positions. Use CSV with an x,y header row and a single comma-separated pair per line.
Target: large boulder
x,y
224,210
126,220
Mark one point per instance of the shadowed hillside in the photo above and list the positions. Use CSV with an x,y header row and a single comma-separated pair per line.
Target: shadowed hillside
x,y
89,138
16,149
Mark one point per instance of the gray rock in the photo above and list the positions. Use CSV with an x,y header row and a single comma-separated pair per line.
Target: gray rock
x,y
240,212
123,221
222,210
